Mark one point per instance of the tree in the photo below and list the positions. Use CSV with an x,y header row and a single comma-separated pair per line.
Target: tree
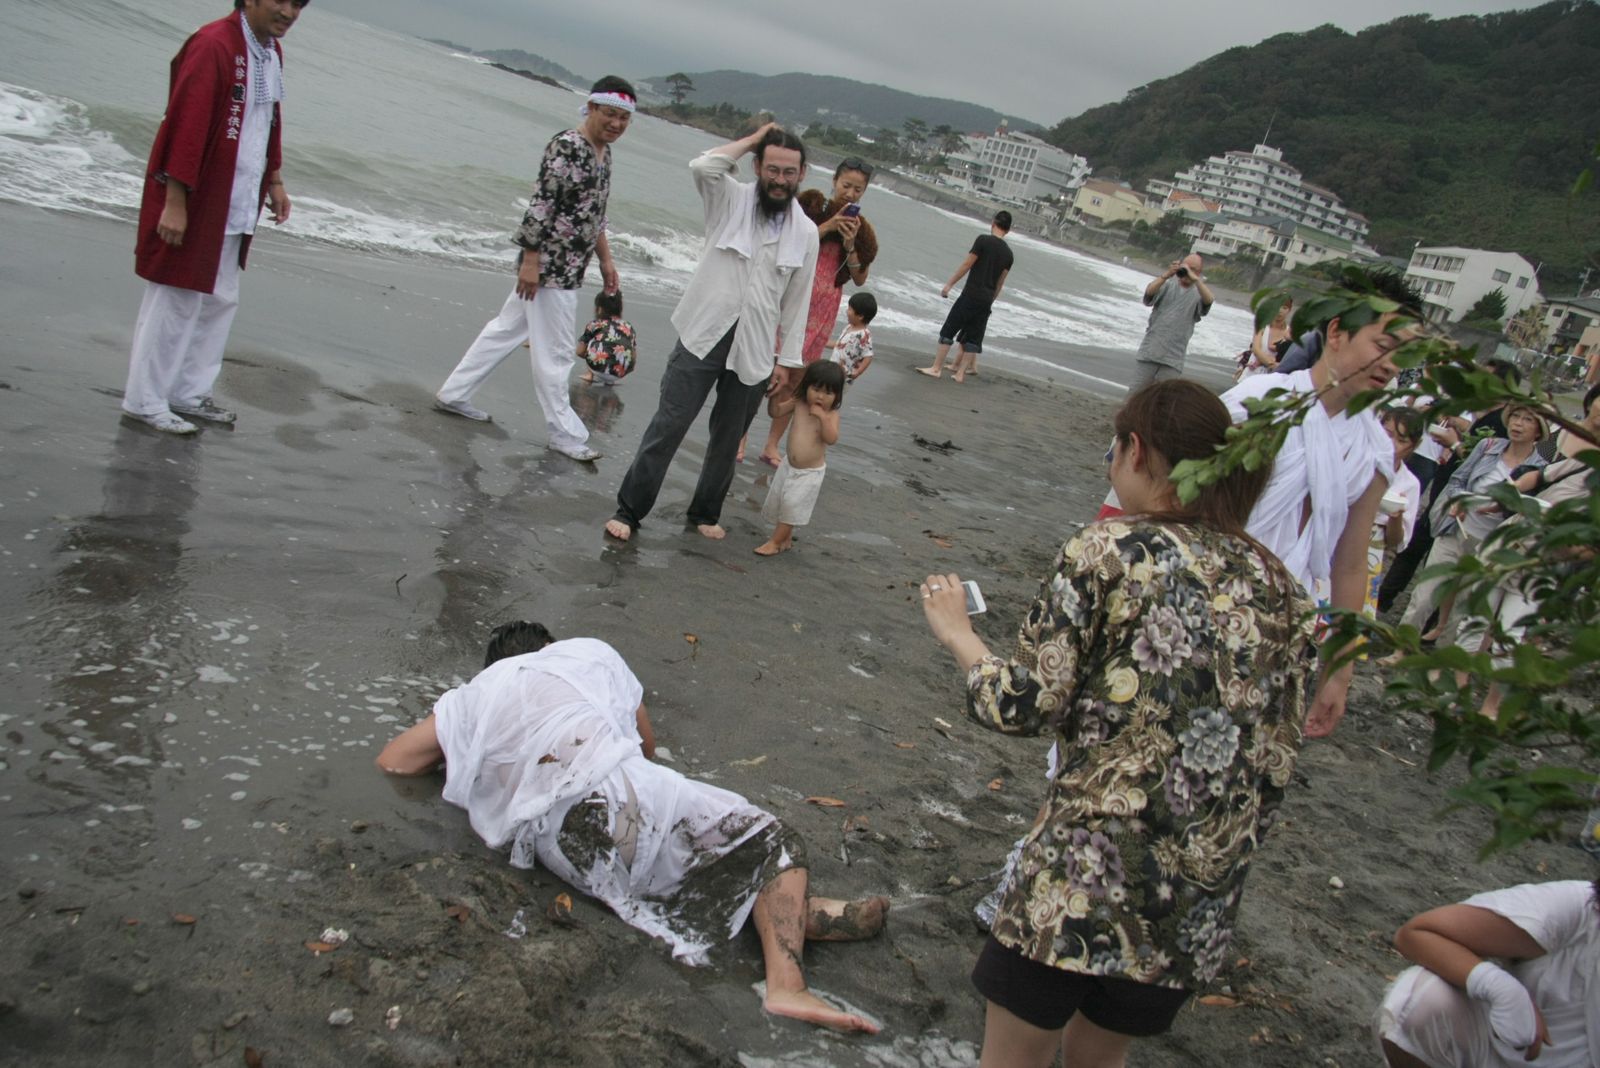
x,y
1490,307
949,139
1530,767
916,133
680,86
1526,330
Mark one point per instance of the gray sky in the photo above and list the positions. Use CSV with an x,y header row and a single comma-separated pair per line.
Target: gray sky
x,y
1039,59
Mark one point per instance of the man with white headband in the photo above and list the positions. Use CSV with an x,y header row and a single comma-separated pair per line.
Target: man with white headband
x,y
214,163
564,226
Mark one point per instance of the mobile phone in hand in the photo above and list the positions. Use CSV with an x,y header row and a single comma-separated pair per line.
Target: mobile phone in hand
x,y
975,605
850,211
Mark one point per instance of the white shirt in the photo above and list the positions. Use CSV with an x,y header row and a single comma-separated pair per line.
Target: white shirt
x,y
1565,982
1405,488
244,202
1352,449
763,296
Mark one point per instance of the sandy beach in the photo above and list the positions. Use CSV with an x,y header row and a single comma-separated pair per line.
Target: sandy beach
x,y
208,639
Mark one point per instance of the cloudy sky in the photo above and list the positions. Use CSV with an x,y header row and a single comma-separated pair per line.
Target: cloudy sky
x,y
1039,59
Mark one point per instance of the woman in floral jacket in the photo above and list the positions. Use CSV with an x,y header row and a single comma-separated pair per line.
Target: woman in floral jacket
x,y
1170,655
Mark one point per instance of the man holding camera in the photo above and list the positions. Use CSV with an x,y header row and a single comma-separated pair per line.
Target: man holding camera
x,y
1178,298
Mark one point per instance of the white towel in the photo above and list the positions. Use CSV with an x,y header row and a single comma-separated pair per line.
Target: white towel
x,y
1330,459
747,219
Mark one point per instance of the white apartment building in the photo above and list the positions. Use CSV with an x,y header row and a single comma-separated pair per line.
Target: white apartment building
x,y
1019,166
1452,279
1259,183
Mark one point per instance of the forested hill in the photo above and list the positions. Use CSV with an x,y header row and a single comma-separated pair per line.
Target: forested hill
x,y
1465,131
834,101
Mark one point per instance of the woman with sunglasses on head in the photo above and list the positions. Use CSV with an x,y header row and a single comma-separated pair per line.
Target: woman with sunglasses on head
x,y
1170,656
848,247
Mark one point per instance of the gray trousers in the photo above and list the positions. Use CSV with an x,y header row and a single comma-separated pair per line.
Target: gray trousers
x,y
1147,371
685,384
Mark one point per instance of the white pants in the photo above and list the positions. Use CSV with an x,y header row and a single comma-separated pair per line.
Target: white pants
x,y
178,340
548,322
1427,596
1439,1025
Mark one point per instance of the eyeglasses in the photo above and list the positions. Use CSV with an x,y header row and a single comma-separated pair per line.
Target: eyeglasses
x,y
856,163
790,173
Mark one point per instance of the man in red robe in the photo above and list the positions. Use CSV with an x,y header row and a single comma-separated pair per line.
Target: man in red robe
x,y
215,160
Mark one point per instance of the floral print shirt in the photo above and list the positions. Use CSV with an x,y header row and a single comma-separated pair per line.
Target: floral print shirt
x,y
567,213
1174,669
609,346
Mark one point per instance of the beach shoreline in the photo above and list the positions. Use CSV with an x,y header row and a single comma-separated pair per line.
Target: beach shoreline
x,y
209,639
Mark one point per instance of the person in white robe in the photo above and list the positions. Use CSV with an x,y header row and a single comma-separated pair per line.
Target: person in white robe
x,y
550,752
1507,977
1330,474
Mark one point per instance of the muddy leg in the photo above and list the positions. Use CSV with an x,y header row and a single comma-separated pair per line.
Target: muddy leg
x,y
780,919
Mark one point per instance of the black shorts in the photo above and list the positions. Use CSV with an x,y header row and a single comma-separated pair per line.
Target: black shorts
x,y
966,323
1048,997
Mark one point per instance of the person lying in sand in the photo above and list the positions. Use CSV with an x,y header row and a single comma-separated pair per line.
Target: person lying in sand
x,y
549,749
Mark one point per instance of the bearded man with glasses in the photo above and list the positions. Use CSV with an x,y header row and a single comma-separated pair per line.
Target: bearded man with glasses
x,y
752,285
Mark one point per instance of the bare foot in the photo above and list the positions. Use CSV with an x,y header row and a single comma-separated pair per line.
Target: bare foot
x,y
958,377
713,531
806,1006
831,920
772,548
930,372
616,528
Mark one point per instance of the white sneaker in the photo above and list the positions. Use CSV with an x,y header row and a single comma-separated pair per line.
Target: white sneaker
x,y
463,409
165,422
582,453
207,411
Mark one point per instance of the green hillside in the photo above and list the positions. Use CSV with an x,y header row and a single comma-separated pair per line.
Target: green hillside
x,y
818,98
1465,131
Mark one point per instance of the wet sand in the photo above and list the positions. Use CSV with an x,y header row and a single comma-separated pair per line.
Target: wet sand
x,y
208,639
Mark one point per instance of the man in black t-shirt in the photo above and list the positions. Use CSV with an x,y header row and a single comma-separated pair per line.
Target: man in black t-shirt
x,y
986,267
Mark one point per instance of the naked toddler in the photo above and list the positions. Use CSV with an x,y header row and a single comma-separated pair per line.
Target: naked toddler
x,y
799,478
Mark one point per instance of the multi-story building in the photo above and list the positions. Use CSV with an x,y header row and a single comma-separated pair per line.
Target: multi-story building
x,y
1274,240
1019,166
1452,279
1572,324
1099,202
1258,182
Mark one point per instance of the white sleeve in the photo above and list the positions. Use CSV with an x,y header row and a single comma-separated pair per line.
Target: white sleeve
x,y
713,179
1552,914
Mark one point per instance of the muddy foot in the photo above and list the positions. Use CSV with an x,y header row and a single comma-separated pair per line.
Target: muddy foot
x,y
830,920
806,1006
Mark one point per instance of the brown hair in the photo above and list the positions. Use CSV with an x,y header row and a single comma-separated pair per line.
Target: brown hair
x,y
1179,419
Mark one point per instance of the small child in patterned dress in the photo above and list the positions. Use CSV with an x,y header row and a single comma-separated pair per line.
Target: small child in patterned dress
x,y
853,348
608,344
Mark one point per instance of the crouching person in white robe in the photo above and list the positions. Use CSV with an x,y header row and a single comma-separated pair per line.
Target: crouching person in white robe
x,y
549,749
1508,977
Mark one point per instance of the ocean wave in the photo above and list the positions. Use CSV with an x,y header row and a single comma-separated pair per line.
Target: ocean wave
x,y
674,250
51,156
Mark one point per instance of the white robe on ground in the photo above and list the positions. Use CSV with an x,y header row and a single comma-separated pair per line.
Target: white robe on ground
x,y
575,701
